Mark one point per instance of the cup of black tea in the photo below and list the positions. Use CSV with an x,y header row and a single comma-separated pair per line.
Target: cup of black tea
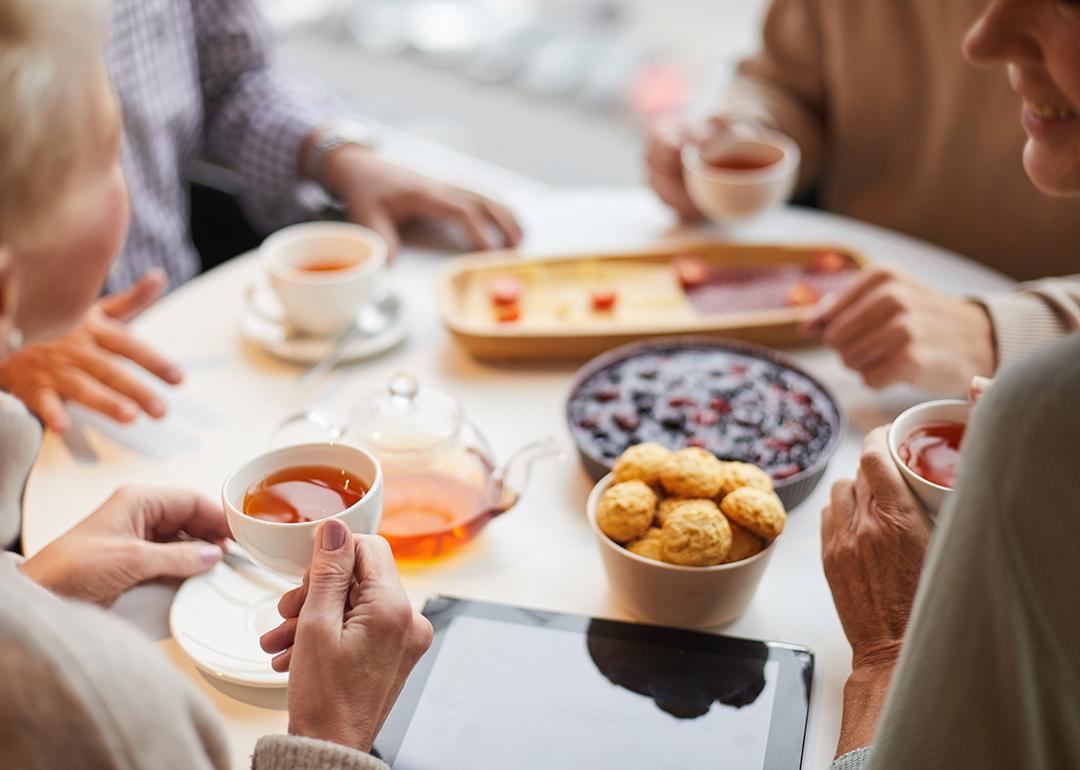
x,y
741,176
275,502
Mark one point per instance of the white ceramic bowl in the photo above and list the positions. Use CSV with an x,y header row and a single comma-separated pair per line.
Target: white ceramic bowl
x,y
949,410
671,595
286,548
725,195
323,303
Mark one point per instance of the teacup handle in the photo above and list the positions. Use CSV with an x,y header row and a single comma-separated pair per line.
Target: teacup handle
x,y
316,417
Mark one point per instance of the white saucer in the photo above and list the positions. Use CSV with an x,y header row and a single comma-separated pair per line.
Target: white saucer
x,y
263,325
218,617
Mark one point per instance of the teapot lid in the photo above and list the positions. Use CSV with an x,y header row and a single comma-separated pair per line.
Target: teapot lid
x,y
405,417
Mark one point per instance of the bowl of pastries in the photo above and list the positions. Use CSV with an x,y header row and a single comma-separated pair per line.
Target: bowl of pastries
x,y
684,537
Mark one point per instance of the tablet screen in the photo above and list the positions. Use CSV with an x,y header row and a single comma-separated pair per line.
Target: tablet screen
x,y
506,687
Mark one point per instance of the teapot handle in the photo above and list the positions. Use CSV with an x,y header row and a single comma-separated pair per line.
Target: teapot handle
x,y
316,417
510,480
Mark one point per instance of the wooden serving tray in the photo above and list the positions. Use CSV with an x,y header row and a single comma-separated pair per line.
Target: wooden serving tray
x,y
487,338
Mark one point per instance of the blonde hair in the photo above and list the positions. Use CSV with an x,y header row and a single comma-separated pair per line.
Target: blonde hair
x,y
50,60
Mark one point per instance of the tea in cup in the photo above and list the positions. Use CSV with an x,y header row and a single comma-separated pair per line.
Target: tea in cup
x,y
741,176
275,502
924,443
324,273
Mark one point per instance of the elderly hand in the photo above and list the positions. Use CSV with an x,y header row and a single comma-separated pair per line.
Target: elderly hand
x,y
385,197
86,366
137,535
874,535
890,328
349,640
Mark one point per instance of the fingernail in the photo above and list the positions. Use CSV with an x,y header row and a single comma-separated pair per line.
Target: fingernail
x,y
210,554
156,409
333,535
173,374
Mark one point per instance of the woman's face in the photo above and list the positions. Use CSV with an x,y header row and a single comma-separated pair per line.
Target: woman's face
x,y
1039,41
56,281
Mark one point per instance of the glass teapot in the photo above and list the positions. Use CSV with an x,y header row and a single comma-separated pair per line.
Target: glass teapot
x,y
441,482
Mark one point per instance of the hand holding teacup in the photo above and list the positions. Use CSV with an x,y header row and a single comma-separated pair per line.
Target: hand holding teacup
x,y
349,638
725,170
874,538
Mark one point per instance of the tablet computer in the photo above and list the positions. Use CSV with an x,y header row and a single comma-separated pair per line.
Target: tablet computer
x,y
507,687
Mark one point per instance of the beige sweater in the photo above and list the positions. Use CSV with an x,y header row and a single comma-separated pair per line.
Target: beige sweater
x,y
989,676
896,128
80,688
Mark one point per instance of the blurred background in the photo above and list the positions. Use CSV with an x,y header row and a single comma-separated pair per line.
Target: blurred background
x,y
555,90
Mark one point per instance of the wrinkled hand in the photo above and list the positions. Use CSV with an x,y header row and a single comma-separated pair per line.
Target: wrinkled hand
x,y
86,366
663,156
891,328
874,535
386,198
138,534
349,640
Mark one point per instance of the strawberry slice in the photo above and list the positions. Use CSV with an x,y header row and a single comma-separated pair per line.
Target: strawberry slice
x,y
506,291
691,271
828,262
603,300
508,314
801,294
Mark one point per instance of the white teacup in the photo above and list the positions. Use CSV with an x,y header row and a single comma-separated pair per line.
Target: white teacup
x,y
726,195
324,302
286,548
946,410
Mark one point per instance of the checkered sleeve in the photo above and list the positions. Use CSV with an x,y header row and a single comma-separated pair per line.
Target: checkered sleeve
x,y
256,115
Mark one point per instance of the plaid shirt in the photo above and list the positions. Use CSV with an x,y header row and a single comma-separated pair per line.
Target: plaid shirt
x,y
196,79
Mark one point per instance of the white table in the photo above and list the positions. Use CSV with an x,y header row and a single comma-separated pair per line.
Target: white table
x,y
541,554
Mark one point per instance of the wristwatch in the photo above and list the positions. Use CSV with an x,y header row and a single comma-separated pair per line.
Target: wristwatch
x,y
332,138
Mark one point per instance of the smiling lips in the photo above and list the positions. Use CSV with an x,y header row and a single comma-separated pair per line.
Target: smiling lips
x,y
1046,112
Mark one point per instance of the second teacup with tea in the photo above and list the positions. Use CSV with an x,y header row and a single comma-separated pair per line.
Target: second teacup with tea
x,y
275,502
740,176
324,272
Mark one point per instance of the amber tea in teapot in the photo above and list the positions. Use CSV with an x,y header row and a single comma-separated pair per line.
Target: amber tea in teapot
x,y
428,513
442,484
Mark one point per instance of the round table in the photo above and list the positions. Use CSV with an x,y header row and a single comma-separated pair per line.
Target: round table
x,y
541,554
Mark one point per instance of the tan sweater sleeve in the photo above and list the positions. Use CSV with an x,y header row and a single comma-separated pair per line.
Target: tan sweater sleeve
x,y
291,752
1035,315
783,85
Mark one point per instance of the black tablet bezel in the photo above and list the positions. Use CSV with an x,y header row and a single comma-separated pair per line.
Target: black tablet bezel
x,y
791,707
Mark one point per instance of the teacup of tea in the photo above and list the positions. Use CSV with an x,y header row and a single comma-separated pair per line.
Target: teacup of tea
x,y
741,176
324,273
275,502
924,442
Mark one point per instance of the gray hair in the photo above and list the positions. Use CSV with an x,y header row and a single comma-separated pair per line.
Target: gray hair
x,y
50,58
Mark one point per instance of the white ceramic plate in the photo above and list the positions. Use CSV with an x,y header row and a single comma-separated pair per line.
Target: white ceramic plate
x,y
218,617
263,325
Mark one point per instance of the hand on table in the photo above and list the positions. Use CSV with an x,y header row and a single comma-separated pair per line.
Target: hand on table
x,y
349,639
137,535
891,328
385,197
874,536
86,366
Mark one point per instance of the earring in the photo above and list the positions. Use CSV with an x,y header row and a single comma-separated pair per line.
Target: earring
x,y
15,340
